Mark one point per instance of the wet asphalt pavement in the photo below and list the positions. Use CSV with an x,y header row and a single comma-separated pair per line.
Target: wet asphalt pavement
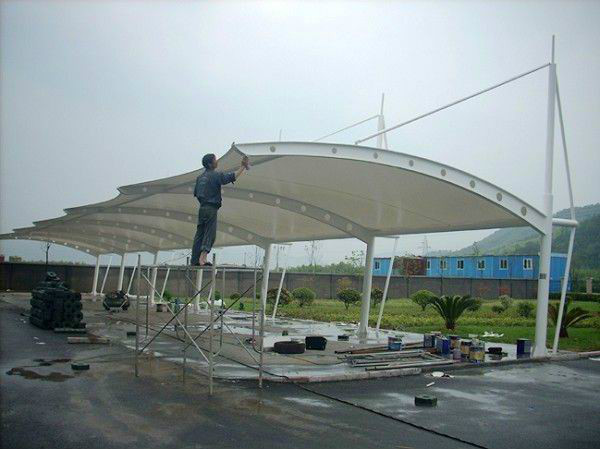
x,y
45,404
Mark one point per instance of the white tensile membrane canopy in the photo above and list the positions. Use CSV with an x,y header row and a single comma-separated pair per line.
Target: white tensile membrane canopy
x,y
294,191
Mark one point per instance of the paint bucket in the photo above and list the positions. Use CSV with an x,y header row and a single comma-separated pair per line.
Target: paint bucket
x,y
454,341
456,354
394,343
477,352
465,349
442,345
428,340
523,346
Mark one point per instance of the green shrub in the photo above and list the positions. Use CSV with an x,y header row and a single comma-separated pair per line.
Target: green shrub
x,y
451,308
578,296
241,306
422,298
349,296
304,295
235,296
376,296
525,309
167,296
506,302
498,309
217,295
476,305
284,297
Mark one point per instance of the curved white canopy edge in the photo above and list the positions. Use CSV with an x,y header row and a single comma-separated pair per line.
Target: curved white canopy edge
x,y
295,191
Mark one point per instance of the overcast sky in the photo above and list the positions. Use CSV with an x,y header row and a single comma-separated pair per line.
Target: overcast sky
x,y
100,94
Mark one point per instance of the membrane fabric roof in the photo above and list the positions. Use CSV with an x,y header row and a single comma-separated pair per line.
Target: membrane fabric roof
x,y
294,191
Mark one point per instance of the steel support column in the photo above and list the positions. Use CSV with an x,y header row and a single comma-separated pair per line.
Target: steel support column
x,y
541,319
264,287
366,293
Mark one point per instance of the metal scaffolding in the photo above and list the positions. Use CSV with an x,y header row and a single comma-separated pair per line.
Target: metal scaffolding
x,y
211,349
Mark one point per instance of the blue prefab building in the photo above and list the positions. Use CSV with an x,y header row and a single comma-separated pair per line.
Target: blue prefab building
x,y
487,267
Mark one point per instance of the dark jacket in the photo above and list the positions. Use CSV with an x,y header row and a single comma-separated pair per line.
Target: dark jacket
x,y
208,187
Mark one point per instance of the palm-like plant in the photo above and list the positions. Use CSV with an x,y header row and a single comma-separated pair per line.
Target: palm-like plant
x,y
451,308
570,317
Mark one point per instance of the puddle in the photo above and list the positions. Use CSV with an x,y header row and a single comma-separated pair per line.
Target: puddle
x,y
309,402
32,375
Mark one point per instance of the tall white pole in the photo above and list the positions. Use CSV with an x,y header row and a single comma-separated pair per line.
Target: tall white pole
x,y
387,283
541,319
264,286
96,273
154,276
105,275
563,291
121,272
366,293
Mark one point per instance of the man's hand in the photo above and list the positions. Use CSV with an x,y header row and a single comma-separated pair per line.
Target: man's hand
x,y
245,163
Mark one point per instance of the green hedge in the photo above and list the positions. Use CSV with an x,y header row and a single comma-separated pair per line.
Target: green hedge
x,y
577,296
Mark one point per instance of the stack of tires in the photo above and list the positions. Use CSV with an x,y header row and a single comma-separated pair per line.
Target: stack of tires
x,y
53,305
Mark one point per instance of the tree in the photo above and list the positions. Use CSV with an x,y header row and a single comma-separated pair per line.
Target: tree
x,y
349,296
570,317
451,308
422,298
304,295
284,296
376,296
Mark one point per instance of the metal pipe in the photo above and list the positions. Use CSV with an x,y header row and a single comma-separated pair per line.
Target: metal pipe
x,y
105,275
279,292
211,323
131,279
565,284
154,275
514,78
96,273
387,284
565,222
121,273
137,316
347,127
198,289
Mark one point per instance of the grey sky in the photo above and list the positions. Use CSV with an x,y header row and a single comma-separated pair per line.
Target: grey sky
x,y
99,94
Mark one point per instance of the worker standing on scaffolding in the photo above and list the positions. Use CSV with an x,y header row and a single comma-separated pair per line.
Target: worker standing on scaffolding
x,y
208,193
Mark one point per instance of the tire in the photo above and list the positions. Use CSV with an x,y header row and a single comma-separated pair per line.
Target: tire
x,y
289,347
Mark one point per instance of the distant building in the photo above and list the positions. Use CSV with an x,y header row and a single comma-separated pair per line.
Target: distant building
x,y
409,266
485,267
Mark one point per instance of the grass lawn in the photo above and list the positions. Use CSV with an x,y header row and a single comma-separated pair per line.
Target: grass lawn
x,y
403,314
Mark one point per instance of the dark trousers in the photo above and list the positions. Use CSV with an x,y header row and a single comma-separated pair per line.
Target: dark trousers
x,y
206,231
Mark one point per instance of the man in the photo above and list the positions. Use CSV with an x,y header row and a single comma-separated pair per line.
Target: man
x,y
208,193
